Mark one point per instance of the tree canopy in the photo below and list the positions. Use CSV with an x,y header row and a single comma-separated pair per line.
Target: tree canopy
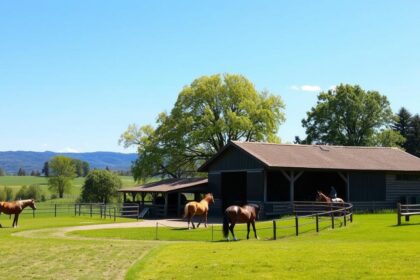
x,y
61,172
351,116
100,186
409,127
208,113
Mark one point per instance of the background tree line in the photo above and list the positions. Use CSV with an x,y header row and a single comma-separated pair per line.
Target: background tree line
x,y
214,110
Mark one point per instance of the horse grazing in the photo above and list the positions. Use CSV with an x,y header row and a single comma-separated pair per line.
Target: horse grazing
x,y
16,207
235,214
201,208
323,198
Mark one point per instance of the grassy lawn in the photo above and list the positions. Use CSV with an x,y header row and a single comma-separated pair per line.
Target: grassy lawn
x,y
55,258
370,248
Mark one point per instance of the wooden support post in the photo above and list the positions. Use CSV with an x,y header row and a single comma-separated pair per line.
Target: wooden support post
x,y
125,196
75,211
91,210
274,230
165,209
399,213
297,225
178,205
317,222
332,220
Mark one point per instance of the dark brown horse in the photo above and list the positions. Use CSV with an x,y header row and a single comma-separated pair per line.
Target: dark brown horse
x,y
235,214
195,208
16,207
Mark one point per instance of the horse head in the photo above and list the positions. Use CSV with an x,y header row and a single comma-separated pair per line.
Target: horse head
x,y
32,204
318,196
209,197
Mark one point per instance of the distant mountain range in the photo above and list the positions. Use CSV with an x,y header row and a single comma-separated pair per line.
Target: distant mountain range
x,y
12,161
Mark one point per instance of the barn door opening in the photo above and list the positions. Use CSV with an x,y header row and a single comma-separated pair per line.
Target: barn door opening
x,y
233,189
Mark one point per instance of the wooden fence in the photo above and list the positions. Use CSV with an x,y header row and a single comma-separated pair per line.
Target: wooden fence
x,y
316,211
407,210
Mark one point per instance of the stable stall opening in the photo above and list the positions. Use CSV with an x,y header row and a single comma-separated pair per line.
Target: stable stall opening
x,y
233,189
278,187
307,185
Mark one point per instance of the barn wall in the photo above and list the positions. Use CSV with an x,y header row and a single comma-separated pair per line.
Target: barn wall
x,y
214,185
255,186
234,159
367,186
397,188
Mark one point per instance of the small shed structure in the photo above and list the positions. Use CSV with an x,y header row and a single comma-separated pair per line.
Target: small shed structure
x,y
166,197
274,175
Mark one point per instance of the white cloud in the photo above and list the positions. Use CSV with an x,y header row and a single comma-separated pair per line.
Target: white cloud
x,y
69,150
333,87
312,88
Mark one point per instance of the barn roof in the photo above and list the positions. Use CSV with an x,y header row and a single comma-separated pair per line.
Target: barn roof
x,y
324,157
170,185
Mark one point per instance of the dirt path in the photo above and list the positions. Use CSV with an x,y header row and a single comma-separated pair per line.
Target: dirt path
x,y
62,232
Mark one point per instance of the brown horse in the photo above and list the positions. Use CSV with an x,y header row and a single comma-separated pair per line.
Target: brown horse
x,y
16,207
235,214
201,208
322,197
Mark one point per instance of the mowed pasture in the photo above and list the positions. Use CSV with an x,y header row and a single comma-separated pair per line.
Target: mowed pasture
x,y
16,182
372,247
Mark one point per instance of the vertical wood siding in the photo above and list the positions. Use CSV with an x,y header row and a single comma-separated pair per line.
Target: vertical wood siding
x,y
396,189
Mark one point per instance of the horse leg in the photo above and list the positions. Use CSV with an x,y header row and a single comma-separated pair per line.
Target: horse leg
x,y
14,224
232,225
192,222
255,231
205,219
247,227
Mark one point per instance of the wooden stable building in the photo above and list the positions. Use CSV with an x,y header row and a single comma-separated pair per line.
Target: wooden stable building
x,y
274,175
166,198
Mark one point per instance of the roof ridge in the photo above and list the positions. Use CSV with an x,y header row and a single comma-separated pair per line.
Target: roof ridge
x,y
316,145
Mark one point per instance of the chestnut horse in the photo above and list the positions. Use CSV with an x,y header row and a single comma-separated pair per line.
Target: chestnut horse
x,y
322,197
235,214
195,208
16,207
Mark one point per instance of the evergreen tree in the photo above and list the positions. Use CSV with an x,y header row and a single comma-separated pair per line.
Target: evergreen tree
x,y
21,172
2,173
46,169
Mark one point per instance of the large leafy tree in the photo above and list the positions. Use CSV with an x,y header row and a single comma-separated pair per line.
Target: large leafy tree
x,y
208,113
61,172
351,116
100,186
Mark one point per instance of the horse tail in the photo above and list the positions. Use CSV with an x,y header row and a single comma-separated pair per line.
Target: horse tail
x,y
185,211
225,225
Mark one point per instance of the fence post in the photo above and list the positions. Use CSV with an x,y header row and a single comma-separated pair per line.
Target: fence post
x,y
317,222
138,212
33,213
332,220
274,230
79,209
115,212
156,234
55,210
91,210
297,225
345,217
399,213
75,207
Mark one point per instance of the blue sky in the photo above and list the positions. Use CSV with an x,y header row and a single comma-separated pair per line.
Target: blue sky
x,y
75,74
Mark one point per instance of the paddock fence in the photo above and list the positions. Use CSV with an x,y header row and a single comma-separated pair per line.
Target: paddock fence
x,y
101,210
407,210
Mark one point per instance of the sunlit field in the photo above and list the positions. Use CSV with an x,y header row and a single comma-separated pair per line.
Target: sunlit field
x,y
371,247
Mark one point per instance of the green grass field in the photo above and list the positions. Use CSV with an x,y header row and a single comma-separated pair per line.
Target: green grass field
x,y
16,182
373,247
